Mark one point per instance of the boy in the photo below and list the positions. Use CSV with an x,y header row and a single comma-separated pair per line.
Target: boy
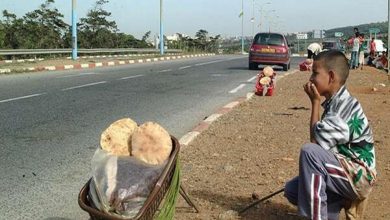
x,y
339,163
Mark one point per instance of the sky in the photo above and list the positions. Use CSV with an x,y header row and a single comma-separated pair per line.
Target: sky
x,y
136,17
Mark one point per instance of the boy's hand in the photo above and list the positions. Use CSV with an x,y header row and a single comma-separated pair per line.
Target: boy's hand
x,y
312,92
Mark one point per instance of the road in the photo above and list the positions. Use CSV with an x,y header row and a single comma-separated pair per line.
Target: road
x,y
52,121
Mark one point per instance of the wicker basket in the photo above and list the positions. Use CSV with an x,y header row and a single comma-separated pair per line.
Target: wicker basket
x,y
152,202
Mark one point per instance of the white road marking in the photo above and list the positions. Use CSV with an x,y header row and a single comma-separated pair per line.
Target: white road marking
x,y
237,88
22,97
184,67
80,74
130,77
251,79
163,71
85,85
215,61
236,58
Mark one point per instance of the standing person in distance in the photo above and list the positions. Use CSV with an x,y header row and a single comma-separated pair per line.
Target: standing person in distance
x,y
354,63
313,49
361,51
372,47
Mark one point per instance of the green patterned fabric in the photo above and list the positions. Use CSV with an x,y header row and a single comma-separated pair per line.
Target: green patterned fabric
x,y
344,129
169,203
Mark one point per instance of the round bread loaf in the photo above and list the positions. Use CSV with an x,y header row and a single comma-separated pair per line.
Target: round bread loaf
x,y
151,143
116,139
265,80
268,71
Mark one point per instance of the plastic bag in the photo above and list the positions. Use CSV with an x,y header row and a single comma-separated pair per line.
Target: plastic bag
x,y
306,65
121,184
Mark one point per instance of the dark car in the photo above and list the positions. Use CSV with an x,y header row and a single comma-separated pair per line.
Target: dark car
x,y
269,49
333,45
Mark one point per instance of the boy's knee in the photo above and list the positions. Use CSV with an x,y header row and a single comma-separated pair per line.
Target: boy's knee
x,y
309,149
291,191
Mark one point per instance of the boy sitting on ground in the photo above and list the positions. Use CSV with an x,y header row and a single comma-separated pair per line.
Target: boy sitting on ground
x,y
339,163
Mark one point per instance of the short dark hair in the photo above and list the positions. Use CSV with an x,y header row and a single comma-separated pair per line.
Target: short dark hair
x,y
336,61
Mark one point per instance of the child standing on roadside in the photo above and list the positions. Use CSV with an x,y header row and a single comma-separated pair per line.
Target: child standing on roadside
x,y
339,163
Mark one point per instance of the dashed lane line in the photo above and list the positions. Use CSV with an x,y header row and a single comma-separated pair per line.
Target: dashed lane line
x,y
215,61
21,97
77,75
184,67
130,77
237,88
85,85
251,79
163,71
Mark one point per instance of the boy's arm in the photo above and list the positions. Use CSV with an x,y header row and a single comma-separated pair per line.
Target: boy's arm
x,y
315,117
315,99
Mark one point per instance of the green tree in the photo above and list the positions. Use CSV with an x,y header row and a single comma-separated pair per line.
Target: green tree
x,y
96,31
2,35
201,39
44,27
13,29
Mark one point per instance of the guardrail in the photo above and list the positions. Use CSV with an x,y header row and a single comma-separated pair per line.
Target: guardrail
x,y
82,51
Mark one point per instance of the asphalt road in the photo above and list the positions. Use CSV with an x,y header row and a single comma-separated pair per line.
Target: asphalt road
x,y
51,121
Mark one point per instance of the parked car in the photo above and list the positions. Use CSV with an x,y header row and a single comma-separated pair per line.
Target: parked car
x,y
269,49
333,45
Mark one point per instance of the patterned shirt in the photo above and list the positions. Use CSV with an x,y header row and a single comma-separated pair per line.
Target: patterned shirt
x,y
344,129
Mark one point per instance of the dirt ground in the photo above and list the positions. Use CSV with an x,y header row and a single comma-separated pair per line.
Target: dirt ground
x,y
255,148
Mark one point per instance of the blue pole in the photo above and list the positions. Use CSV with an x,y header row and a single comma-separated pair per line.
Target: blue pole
x,y
74,31
161,29
242,26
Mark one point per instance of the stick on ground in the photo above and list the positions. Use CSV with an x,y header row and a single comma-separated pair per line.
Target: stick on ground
x,y
260,200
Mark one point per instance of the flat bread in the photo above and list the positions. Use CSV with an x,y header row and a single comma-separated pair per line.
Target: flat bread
x,y
265,80
268,71
151,143
116,139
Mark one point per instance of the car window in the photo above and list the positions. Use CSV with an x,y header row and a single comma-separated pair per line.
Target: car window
x,y
269,39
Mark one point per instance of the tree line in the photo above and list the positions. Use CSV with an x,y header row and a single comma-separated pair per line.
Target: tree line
x,y
44,28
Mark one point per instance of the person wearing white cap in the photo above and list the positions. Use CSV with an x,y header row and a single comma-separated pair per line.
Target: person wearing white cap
x,y
313,49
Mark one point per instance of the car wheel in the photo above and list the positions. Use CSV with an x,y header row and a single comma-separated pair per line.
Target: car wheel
x,y
253,66
285,67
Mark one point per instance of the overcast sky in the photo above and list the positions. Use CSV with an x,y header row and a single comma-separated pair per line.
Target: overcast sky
x,y
222,16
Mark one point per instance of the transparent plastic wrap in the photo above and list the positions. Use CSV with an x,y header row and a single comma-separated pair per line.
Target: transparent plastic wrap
x,y
121,184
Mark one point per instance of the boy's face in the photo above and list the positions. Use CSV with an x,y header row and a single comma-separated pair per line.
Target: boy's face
x,y
320,78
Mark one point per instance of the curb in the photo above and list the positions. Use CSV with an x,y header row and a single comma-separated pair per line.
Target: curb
x,y
101,64
204,125
186,139
82,57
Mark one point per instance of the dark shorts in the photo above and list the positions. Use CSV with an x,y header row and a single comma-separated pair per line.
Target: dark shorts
x,y
310,54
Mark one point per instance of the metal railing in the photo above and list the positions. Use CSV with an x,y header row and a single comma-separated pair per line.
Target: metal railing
x,y
82,51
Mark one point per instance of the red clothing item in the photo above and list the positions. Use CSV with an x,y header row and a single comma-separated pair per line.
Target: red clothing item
x,y
372,46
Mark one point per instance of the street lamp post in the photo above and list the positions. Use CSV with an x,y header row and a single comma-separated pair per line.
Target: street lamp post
x,y
242,26
74,31
261,13
161,29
